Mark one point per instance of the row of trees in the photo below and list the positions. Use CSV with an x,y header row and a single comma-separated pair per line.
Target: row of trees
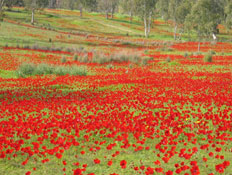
x,y
203,16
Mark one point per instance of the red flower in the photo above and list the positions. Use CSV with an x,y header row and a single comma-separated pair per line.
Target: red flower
x,y
77,171
97,161
123,164
169,173
219,168
28,173
64,162
110,163
58,155
226,164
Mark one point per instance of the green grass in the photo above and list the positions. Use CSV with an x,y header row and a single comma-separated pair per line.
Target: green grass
x,y
7,74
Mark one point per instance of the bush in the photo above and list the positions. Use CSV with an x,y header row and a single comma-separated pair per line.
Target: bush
x,y
123,58
75,57
68,49
35,47
101,59
168,59
110,66
63,59
26,69
212,52
145,60
61,70
78,70
186,54
43,69
134,59
83,59
208,58
26,47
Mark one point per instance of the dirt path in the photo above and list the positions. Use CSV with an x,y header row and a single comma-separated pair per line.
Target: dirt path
x,y
115,27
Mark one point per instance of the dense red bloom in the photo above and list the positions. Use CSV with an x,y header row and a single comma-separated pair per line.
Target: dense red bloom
x,y
226,164
77,171
28,173
110,162
149,171
169,173
219,168
58,155
64,162
97,161
123,164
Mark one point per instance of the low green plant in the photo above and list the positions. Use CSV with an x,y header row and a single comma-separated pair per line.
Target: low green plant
x,y
208,58
26,69
135,59
75,57
186,54
63,59
100,59
61,70
29,69
78,70
43,69
212,52
83,59
168,59
145,60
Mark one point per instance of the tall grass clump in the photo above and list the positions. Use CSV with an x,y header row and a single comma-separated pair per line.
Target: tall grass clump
x,y
29,69
100,59
63,59
208,57
43,69
61,70
75,57
168,60
26,69
78,70
83,59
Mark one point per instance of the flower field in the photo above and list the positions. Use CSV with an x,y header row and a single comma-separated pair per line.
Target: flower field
x,y
164,117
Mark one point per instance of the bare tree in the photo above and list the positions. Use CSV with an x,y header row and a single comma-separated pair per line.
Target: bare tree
x,y
145,9
2,2
128,7
34,5
108,6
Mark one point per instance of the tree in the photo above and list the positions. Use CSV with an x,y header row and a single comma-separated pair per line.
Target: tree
x,y
204,18
146,9
11,3
129,7
172,10
89,5
52,4
162,8
2,3
228,14
35,5
183,9
107,6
